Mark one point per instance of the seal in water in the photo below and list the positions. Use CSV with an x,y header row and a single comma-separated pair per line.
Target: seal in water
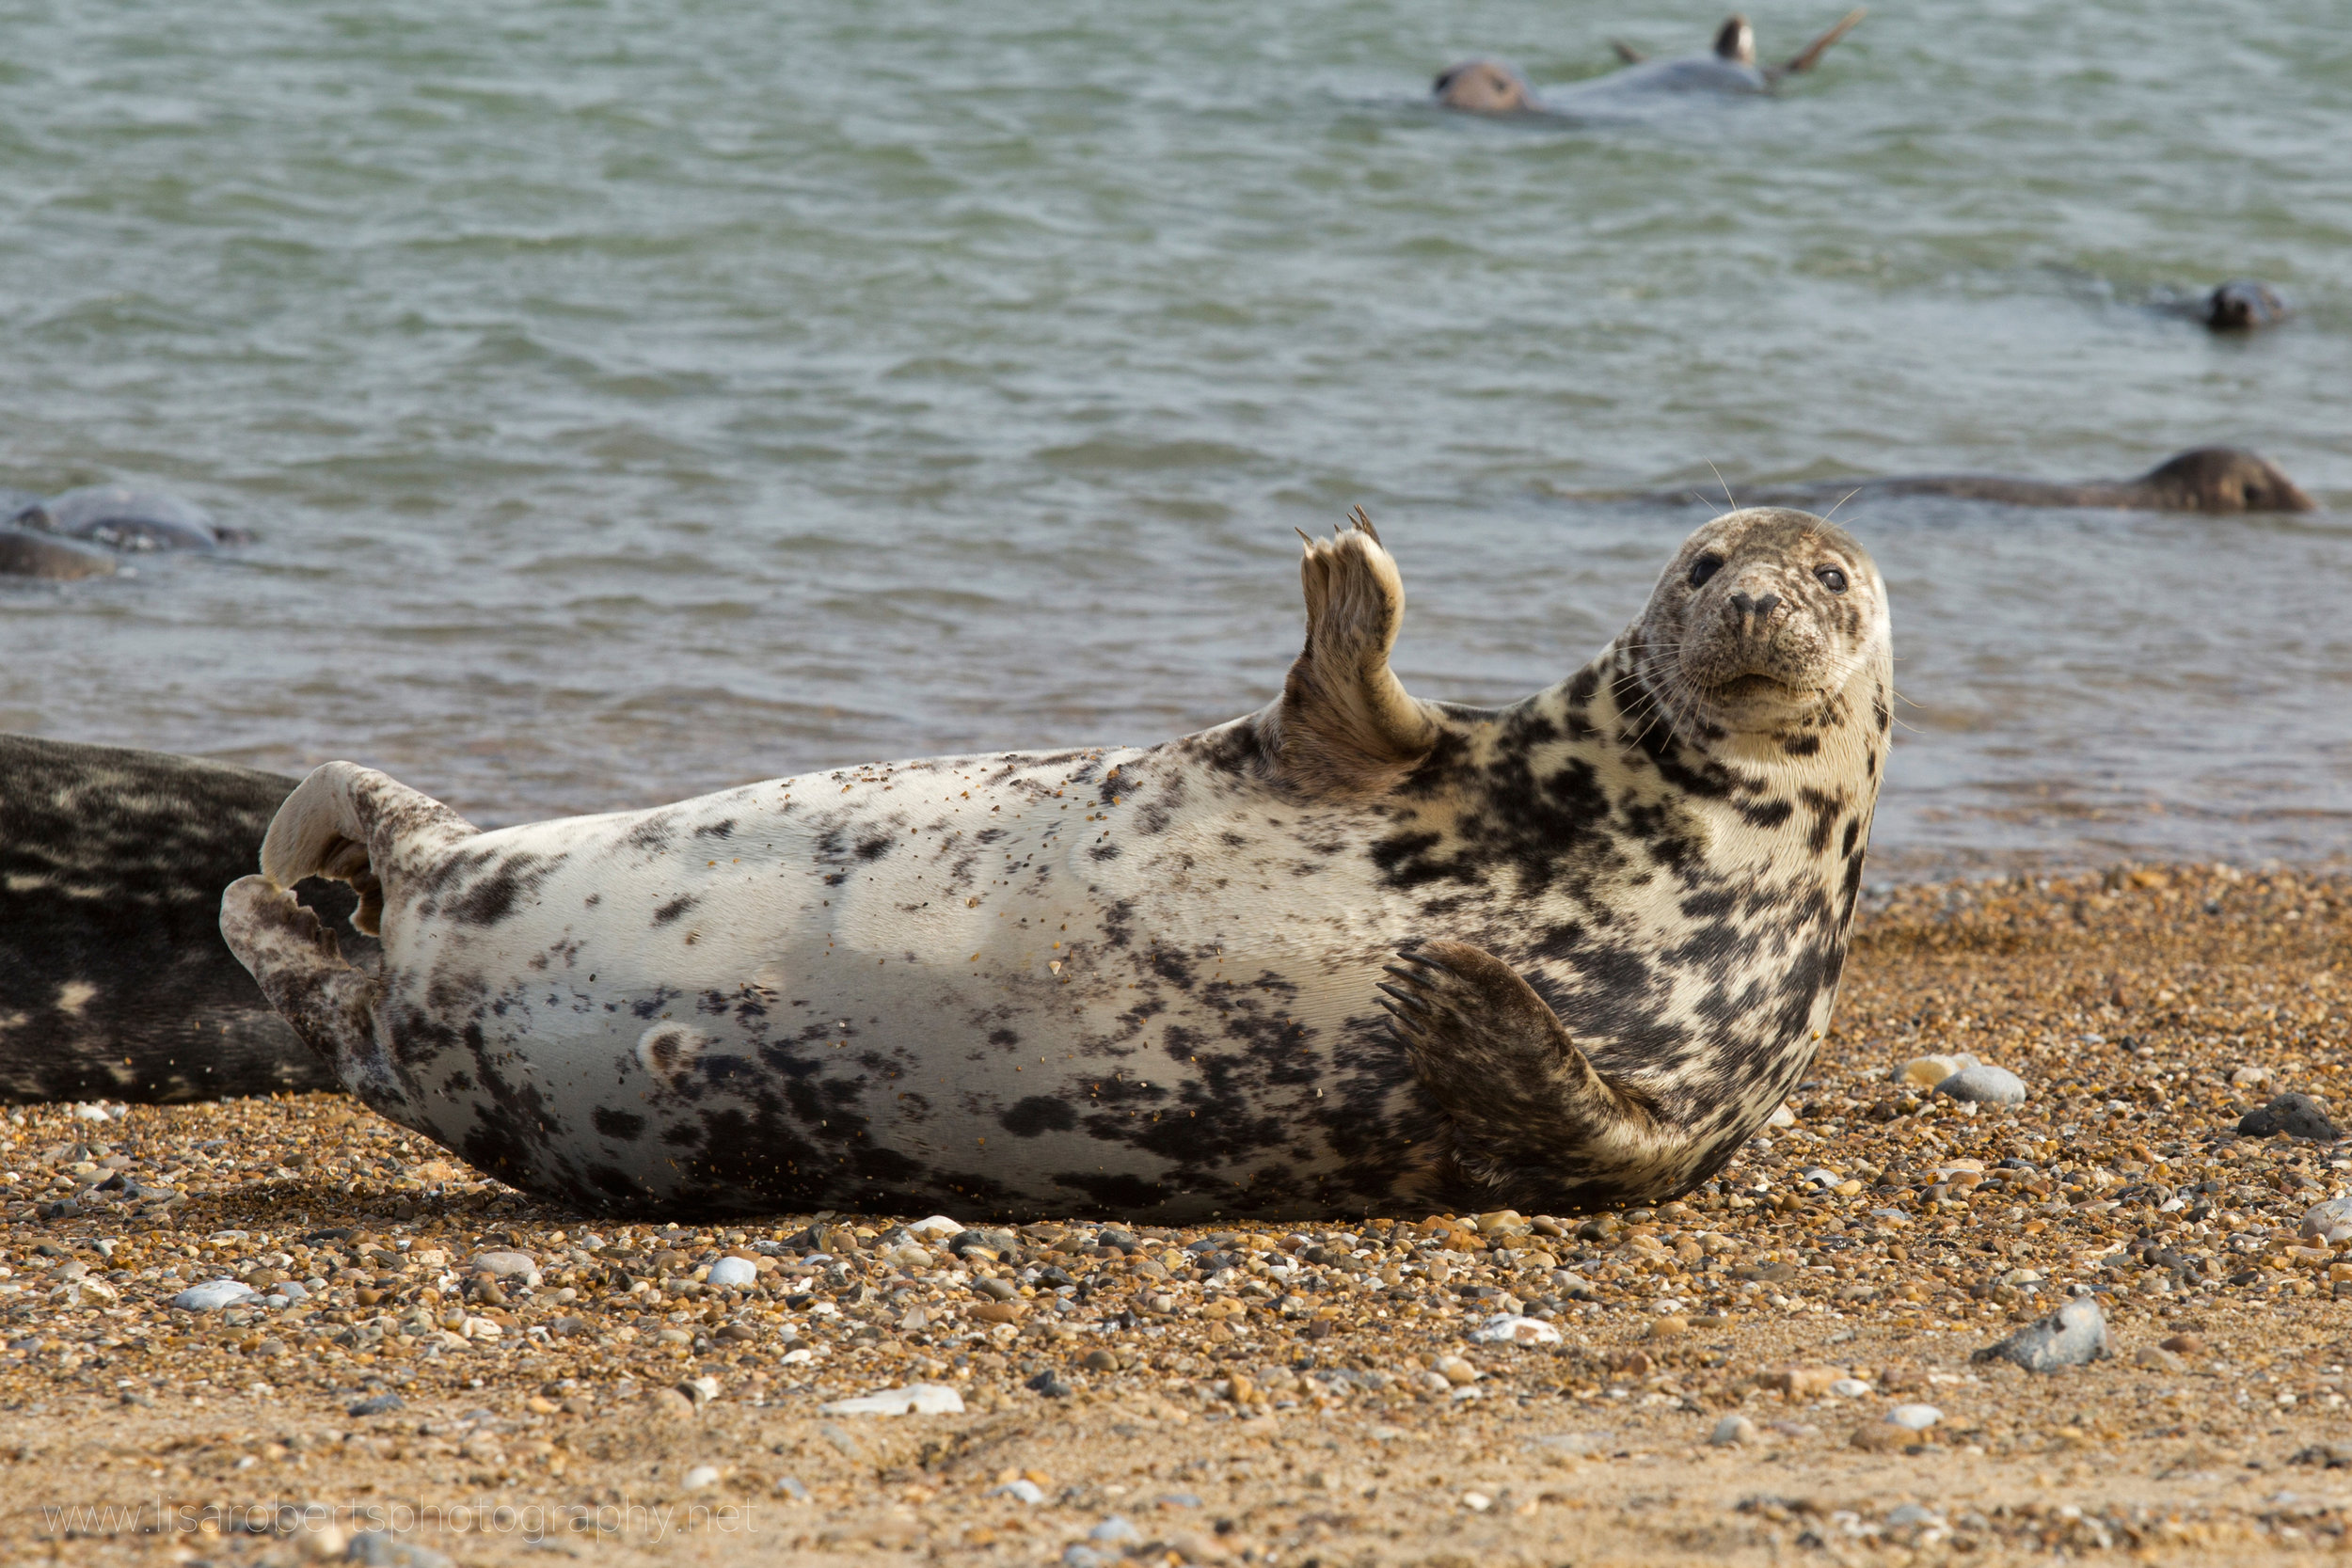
x,y
2203,479
126,518
1608,920
1485,86
2242,304
114,981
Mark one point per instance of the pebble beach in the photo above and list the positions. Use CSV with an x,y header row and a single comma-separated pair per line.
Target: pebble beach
x,y
284,1331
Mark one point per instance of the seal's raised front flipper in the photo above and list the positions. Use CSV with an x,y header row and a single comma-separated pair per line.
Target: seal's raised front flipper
x,y
1345,724
1534,1124
1810,56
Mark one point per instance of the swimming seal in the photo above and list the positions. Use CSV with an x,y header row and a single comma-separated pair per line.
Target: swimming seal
x,y
1353,952
114,981
2242,304
28,553
2203,479
1487,87
123,518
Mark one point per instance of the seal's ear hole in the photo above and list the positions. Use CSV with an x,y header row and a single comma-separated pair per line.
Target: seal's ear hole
x,y
1832,579
1704,567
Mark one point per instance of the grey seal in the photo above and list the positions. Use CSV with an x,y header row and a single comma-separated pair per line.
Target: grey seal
x,y
1730,68
1354,951
2242,304
2203,479
114,981
28,553
125,518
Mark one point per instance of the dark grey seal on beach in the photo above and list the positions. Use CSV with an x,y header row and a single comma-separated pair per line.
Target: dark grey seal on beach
x,y
114,981
1487,87
1354,952
2203,479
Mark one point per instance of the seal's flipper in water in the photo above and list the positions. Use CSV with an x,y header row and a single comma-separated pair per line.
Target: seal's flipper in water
x,y
1810,56
1345,724
1533,1120
1626,53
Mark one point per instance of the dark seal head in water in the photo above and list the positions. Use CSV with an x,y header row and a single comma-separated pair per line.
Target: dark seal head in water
x,y
1157,981
2242,304
2203,479
114,981
1482,87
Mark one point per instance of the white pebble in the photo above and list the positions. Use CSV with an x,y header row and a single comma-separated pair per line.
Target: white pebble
x,y
734,1273
939,1227
1984,1084
702,1476
1506,1328
1914,1418
1732,1430
212,1295
1849,1387
1023,1490
916,1399
1477,1502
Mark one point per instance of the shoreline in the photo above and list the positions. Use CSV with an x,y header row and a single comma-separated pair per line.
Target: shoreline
x,y
1293,1390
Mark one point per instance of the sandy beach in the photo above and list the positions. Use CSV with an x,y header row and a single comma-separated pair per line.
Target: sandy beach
x,y
1265,1394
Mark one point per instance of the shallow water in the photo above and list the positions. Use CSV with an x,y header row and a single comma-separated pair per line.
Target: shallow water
x,y
637,399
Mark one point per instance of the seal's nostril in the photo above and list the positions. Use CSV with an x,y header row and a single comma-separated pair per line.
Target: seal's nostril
x,y
1766,604
1743,604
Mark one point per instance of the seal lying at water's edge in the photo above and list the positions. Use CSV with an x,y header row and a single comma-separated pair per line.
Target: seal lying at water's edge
x,y
1150,981
114,981
2203,479
1486,86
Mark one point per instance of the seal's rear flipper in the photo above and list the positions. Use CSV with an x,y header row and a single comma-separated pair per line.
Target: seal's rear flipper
x,y
1533,1121
1345,724
300,968
353,824
1810,56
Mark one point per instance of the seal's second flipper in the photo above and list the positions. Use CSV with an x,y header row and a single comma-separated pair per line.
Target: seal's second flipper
x,y
1533,1121
299,965
1810,56
1345,724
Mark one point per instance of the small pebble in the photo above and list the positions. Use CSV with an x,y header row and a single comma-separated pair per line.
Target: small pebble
x,y
1458,1372
734,1274
2156,1358
1115,1530
700,1477
1912,1517
1023,1490
378,1548
2183,1344
1849,1387
790,1489
1925,1072
505,1265
2073,1336
916,1399
2331,1221
378,1404
1732,1431
2297,1116
1508,1329
1984,1084
214,1294
1914,1418
1050,1384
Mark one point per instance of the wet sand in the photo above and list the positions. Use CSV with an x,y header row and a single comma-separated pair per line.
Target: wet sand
x,y
1280,1396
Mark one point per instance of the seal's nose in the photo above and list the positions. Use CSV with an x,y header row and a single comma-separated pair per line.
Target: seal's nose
x,y
1755,612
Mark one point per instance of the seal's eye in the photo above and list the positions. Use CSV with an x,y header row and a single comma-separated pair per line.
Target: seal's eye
x,y
1704,567
1832,579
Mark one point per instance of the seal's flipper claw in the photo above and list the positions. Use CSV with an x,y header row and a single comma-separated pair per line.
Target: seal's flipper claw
x,y
1533,1119
1363,524
1405,998
1303,535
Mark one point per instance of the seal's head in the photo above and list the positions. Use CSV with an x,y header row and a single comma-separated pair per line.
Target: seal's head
x,y
2225,479
1735,41
1761,623
2243,304
1482,87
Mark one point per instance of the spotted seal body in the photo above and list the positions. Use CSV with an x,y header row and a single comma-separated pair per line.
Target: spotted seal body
x,y
2203,479
114,981
1353,952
